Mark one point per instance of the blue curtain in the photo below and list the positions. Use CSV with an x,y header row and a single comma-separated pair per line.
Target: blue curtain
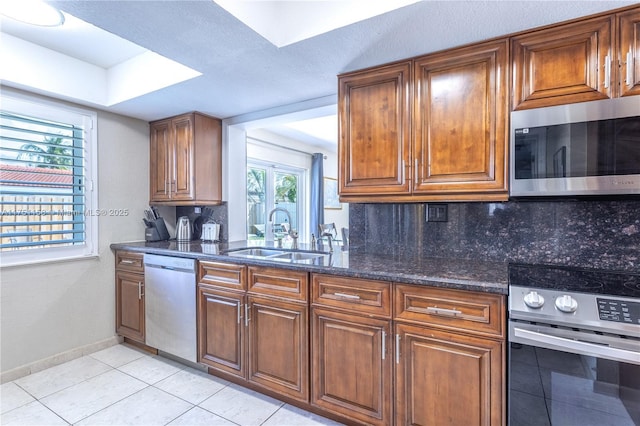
x,y
317,193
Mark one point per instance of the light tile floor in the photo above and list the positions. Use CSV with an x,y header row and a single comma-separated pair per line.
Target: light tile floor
x,y
122,385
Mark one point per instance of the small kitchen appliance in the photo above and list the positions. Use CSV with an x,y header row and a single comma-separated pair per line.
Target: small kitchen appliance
x,y
156,230
210,231
574,346
584,148
183,229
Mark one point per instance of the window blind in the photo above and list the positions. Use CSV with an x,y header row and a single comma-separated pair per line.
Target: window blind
x,y
42,183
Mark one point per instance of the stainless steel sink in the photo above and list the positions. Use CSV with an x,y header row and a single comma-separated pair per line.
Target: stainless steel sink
x,y
297,256
292,256
257,252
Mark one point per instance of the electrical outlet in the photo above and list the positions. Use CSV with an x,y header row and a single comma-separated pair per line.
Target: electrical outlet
x,y
197,210
437,212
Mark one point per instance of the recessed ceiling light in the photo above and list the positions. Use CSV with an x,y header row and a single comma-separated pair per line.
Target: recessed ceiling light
x,y
34,12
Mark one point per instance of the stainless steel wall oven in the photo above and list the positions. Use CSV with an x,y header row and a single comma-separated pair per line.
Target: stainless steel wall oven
x,y
574,347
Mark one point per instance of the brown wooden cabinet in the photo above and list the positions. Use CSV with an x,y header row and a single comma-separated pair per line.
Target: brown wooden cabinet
x,y
351,371
629,52
221,310
447,378
587,60
277,322
375,131
221,330
460,122
278,346
432,128
253,324
186,160
130,295
450,356
561,65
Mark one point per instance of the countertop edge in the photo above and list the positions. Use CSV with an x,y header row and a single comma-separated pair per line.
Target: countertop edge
x,y
403,278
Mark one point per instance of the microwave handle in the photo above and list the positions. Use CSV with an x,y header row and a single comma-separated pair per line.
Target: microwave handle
x,y
581,348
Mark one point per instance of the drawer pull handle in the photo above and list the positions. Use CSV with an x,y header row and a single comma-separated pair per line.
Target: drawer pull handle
x,y
397,349
347,296
384,344
246,315
443,311
140,293
127,261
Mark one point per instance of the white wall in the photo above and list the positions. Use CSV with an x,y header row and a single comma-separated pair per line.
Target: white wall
x,y
50,309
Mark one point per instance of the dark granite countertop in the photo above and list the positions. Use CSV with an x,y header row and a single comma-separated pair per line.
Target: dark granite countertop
x,y
464,274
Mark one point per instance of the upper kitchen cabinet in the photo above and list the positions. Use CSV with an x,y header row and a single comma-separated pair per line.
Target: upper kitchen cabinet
x,y
629,52
581,61
375,132
563,64
186,160
432,128
460,122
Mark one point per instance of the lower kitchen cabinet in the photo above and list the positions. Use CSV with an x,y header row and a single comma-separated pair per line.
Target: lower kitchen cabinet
x,y
130,295
278,346
130,305
446,378
351,369
221,330
250,335
351,362
364,351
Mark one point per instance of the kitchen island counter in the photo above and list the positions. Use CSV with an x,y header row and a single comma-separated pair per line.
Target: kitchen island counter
x,y
462,274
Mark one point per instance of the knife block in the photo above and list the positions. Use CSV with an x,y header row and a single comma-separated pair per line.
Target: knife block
x,y
157,231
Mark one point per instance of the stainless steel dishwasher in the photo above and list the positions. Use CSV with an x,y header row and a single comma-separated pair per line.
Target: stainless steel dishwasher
x,y
170,305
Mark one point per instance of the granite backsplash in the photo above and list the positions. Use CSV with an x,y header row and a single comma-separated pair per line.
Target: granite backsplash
x,y
584,233
218,214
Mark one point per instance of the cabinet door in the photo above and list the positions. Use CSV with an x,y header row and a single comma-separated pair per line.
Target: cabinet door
x,y
130,305
221,330
278,346
183,173
447,378
160,167
374,120
351,366
629,25
460,120
563,64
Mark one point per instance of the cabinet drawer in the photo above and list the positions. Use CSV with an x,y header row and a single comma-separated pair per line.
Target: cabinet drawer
x,y
366,296
454,309
278,282
129,261
222,274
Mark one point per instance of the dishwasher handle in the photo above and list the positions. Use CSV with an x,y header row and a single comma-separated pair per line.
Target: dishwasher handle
x,y
169,263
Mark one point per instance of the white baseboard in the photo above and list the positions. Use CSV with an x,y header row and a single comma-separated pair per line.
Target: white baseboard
x,y
34,367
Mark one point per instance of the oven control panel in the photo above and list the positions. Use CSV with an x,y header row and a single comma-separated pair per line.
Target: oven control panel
x,y
619,310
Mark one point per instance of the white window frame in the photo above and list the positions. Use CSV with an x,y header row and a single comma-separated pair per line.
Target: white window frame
x,y
271,168
87,119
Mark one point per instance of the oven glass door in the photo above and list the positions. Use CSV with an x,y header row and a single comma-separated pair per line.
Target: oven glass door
x,y
568,387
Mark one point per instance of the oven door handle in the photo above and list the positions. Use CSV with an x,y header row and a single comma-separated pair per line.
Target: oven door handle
x,y
575,346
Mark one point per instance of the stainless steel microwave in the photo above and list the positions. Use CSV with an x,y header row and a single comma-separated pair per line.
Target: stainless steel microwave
x,y
588,148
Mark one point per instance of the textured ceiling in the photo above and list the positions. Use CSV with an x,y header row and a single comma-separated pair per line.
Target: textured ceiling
x,y
243,72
